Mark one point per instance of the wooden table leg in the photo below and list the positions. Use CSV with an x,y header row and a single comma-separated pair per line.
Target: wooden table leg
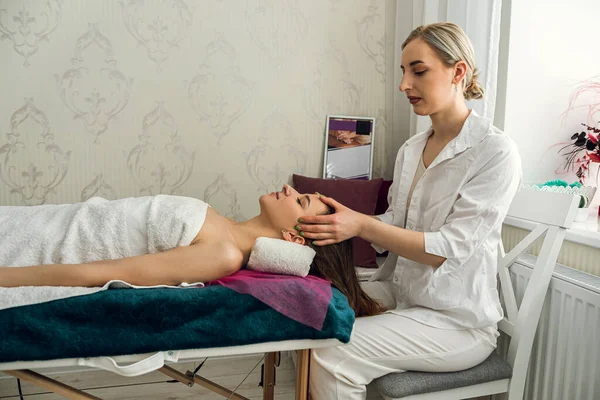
x,y
269,376
190,379
50,384
302,364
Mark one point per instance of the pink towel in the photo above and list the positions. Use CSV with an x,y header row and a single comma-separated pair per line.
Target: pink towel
x,y
304,300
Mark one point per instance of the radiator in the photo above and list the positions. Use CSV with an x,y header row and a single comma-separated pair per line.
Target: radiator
x,y
565,361
575,255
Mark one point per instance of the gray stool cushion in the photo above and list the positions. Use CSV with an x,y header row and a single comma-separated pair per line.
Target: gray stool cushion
x,y
400,385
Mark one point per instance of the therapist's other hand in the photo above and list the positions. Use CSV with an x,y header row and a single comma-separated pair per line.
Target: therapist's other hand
x,y
328,229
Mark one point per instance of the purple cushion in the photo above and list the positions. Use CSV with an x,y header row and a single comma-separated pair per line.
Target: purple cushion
x,y
358,195
382,202
382,199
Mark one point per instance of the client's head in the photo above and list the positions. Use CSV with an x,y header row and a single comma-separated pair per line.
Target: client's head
x,y
282,210
332,262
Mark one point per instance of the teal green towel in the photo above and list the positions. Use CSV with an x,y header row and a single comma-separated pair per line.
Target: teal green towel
x,y
131,321
583,201
561,183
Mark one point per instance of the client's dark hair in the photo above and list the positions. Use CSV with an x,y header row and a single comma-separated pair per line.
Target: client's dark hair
x,y
334,262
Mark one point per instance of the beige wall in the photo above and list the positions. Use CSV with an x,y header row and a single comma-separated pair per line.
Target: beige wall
x,y
220,100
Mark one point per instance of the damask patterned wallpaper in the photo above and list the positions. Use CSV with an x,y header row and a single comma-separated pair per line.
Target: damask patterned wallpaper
x,y
221,100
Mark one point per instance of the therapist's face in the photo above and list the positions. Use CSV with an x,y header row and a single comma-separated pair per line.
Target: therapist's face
x,y
426,80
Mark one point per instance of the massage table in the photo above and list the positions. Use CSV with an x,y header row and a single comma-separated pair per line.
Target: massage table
x,y
133,332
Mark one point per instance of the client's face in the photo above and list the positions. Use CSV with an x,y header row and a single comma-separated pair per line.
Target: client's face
x,y
285,207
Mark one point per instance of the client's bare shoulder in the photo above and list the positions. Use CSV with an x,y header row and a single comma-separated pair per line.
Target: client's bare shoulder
x,y
215,234
215,228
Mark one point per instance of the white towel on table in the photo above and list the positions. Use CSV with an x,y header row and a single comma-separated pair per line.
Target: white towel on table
x,y
97,229
64,233
29,295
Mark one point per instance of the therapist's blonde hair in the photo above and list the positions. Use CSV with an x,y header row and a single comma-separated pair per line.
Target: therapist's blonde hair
x,y
452,45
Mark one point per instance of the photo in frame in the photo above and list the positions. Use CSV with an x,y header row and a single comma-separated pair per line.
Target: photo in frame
x,y
348,147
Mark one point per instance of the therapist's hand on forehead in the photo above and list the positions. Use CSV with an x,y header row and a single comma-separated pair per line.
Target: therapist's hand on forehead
x,y
328,229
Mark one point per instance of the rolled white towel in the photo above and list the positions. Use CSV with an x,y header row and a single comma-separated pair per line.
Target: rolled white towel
x,y
279,256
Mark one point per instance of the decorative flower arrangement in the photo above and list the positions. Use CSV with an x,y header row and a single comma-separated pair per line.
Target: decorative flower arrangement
x,y
583,149
582,152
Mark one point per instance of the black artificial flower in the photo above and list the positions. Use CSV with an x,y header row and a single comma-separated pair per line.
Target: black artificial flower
x,y
580,142
590,146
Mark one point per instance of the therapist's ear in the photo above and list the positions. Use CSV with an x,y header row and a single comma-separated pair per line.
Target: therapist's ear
x,y
460,70
293,237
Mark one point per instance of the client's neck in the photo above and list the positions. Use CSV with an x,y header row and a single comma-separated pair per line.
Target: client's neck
x,y
245,233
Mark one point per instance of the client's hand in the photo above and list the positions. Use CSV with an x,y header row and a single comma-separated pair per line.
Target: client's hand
x,y
346,136
327,229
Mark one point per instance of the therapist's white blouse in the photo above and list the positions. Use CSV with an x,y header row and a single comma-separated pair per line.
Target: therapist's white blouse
x,y
460,203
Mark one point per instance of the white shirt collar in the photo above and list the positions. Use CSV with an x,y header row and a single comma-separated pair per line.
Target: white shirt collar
x,y
473,131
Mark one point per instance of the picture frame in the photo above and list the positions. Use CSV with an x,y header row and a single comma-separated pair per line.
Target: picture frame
x,y
348,150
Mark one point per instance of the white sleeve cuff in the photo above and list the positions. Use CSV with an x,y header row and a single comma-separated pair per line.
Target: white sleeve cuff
x,y
385,217
378,249
436,244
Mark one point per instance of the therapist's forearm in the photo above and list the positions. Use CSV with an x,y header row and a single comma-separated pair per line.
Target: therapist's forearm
x,y
405,243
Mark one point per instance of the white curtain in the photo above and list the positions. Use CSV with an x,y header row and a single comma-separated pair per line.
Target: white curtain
x,y
480,19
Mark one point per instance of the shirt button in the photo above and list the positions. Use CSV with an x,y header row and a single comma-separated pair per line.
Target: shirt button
x,y
396,279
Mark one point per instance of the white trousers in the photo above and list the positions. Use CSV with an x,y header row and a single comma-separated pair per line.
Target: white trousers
x,y
388,343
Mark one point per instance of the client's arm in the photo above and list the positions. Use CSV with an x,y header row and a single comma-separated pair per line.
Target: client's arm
x,y
201,262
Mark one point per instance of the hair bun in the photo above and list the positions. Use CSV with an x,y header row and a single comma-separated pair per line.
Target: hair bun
x,y
473,90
